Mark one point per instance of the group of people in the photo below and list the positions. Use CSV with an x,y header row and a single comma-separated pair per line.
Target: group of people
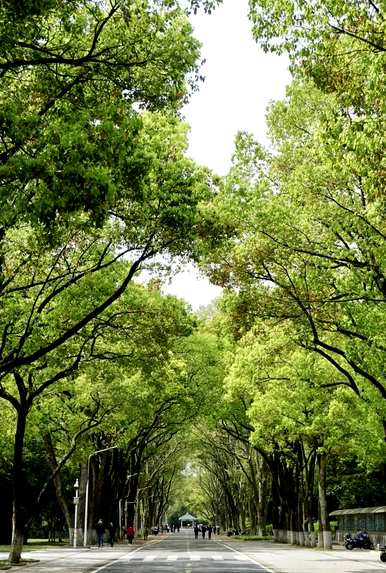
x,y
205,529
129,532
173,528
101,530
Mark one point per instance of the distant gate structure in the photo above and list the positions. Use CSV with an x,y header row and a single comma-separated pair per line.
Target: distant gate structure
x,y
187,519
370,519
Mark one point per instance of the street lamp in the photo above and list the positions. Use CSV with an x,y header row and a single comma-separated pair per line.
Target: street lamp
x,y
76,501
87,488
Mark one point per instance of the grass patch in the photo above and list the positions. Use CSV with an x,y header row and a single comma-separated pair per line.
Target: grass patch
x,y
36,545
5,565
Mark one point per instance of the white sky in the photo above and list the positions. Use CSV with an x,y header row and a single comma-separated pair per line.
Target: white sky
x,y
240,82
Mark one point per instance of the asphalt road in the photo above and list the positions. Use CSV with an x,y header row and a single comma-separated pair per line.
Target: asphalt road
x,y
181,553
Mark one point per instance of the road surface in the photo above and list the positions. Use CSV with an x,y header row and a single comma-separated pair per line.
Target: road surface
x,y
181,553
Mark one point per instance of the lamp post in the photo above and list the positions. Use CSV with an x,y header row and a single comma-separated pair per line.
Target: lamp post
x,y
87,491
76,501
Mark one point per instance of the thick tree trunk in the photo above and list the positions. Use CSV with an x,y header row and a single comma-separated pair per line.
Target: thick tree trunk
x,y
52,461
263,495
309,499
254,499
253,513
325,539
18,508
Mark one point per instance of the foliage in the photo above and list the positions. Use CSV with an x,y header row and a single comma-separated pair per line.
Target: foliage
x,y
308,245
308,30
74,75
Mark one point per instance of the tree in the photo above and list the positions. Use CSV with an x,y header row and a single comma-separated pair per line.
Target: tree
x,y
45,337
72,73
307,242
306,30
87,177
291,414
126,394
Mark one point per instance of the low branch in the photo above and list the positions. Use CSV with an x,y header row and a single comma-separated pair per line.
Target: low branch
x,y
11,362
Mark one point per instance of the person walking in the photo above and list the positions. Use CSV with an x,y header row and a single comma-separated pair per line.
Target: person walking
x,y
100,530
209,532
203,531
130,534
111,529
196,530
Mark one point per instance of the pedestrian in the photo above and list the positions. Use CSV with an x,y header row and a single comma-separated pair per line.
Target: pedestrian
x,y
203,531
209,532
111,529
100,530
130,534
196,531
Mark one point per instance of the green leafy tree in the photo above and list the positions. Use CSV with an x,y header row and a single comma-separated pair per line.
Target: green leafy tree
x,y
308,245
308,30
72,74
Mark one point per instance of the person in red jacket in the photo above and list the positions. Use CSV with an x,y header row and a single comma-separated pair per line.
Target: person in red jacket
x,y
130,534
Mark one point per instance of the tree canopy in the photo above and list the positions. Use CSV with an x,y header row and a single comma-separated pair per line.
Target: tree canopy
x,y
253,413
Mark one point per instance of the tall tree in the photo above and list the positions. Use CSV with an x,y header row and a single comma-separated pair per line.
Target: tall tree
x,y
308,244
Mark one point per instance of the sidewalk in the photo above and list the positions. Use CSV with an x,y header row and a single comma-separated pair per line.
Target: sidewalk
x,y
72,560
283,558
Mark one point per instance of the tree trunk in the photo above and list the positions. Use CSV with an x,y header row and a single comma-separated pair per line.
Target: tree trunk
x,y
51,455
19,488
308,516
254,498
263,494
325,539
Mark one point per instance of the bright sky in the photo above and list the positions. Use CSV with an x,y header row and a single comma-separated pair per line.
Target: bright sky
x,y
240,82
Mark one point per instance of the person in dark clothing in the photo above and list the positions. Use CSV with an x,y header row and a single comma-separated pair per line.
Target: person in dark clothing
x,y
100,530
209,532
203,531
130,534
111,529
196,531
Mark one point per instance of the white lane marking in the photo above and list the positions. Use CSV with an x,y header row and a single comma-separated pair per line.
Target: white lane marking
x,y
193,557
116,560
247,556
172,557
217,557
125,556
149,557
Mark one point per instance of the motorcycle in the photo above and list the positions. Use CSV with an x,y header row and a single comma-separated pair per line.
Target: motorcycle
x,y
361,541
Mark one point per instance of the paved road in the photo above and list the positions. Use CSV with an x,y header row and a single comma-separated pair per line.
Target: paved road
x,y
181,553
